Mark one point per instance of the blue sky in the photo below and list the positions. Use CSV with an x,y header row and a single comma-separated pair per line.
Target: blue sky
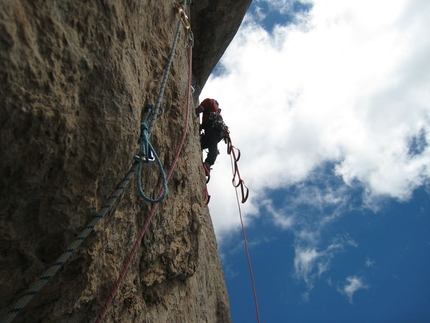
x,y
329,102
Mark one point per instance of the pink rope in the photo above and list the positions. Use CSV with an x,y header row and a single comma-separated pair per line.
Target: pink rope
x,y
235,170
154,206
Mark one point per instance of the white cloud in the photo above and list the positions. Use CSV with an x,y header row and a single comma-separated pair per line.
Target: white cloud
x,y
368,262
304,262
352,285
310,264
279,218
278,5
348,84
260,14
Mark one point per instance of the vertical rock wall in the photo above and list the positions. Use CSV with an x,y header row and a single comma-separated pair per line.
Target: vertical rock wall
x,y
75,78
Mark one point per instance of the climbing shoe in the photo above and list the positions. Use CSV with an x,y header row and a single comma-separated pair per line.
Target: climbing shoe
x,y
207,167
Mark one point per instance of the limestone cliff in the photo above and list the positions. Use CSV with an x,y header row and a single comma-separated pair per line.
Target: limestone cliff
x,y
76,77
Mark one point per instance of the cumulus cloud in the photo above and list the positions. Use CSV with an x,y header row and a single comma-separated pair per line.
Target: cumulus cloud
x,y
352,285
331,112
346,84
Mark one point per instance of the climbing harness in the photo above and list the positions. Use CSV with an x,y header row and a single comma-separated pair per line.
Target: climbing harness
x,y
154,207
217,122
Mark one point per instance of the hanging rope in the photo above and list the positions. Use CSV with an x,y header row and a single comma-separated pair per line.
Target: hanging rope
x,y
147,154
146,147
154,207
235,171
137,166
163,176
166,76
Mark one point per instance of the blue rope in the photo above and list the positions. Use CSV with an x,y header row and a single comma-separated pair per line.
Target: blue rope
x,y
147,154
166,75
163,175
146,150
43,280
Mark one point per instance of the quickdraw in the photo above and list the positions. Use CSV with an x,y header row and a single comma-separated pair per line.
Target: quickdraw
x,y
147,154
154,207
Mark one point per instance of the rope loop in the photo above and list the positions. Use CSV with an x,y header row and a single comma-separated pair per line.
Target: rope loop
x,y
237,181
154,207
147,154
242,189
245,193
229,145
236,158
163,175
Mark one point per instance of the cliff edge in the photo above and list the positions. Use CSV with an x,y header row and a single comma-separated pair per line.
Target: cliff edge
x,y
76,80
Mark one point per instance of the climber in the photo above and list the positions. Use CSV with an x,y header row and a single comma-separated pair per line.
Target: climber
x,y
214,129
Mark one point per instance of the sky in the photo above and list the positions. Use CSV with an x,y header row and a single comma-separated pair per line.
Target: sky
x,y
329,104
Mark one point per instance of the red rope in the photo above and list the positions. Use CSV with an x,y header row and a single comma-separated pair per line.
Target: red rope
x,y
235,170
154,206
231,150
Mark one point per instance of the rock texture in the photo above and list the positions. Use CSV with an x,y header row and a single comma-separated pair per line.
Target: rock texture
x,y
76,77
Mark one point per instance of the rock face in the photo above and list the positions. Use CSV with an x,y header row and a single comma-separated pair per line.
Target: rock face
x,y
217,23
76,78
